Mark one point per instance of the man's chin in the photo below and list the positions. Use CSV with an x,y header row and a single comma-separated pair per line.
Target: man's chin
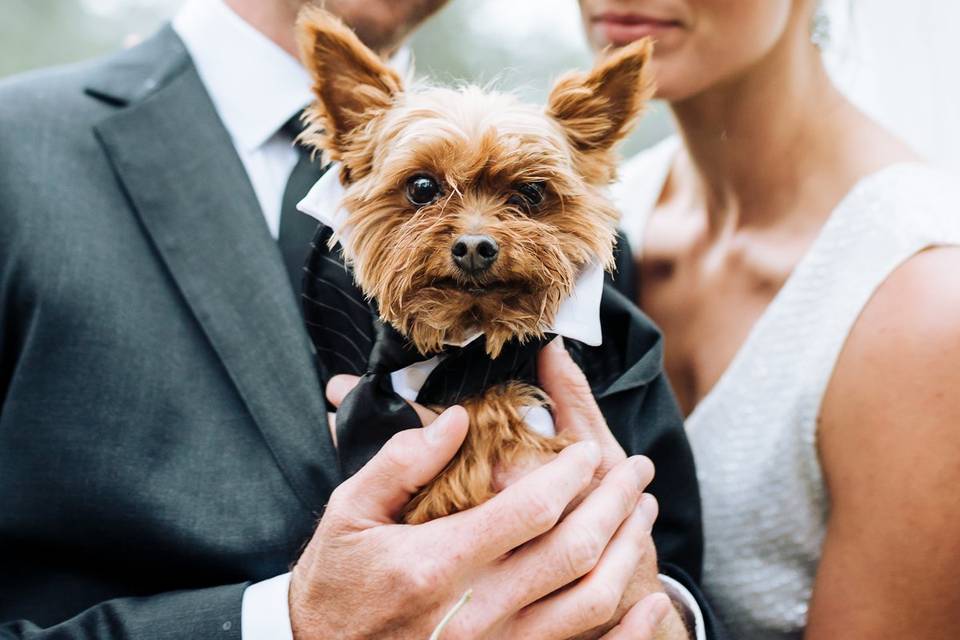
x,y
382,25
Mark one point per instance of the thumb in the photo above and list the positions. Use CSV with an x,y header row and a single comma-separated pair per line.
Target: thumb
x,y
339,386
643,621
380,490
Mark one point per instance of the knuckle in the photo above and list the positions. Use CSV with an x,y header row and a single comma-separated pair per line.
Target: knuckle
x,y
645,469
587,473
424,579
334,502
627,495
338,497
540,512
599,605
394,576
397,452
578,392
583,553
338,506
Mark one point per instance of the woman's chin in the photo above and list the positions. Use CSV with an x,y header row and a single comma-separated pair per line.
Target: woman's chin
x,y
673,85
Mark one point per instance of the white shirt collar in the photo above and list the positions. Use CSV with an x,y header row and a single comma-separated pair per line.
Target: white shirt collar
x,y
577,318
255,85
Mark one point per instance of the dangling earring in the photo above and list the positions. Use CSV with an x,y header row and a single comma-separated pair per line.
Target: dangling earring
x,y
820,28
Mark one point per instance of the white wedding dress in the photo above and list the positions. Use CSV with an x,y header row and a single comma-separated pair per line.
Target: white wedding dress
x,y
765,505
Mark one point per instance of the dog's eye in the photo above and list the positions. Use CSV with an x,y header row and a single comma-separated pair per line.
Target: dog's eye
x,y
422,190
528,195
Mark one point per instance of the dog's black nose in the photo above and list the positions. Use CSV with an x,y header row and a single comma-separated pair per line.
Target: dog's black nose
x,y
474,254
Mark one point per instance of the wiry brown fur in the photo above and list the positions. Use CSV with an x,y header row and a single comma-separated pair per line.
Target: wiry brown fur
x,y
353,86
601,107
497,437
479,146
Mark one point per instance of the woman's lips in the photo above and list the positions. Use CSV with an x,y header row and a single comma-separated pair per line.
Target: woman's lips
x,y
621,29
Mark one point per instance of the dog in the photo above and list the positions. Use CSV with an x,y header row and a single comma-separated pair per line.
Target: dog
x,y
470,215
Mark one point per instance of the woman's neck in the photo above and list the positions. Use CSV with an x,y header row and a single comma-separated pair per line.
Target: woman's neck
x,y
755,143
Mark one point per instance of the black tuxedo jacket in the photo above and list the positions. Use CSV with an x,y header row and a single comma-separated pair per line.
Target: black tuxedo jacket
x,y
163,436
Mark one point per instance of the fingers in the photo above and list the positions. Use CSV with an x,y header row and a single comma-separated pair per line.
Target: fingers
x,y
575,410
339,386
522,511
575,546
593,601
643,620
505,474
409,460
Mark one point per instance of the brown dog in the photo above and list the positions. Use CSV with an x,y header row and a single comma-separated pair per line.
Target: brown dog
x,y
471,213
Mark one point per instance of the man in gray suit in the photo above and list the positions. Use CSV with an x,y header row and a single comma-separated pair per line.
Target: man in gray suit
x,y
163,449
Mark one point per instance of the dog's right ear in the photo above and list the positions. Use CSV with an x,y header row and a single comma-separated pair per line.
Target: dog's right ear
x,y
597,109
351,83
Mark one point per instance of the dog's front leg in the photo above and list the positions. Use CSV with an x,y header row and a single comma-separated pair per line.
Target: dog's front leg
x,y
498,442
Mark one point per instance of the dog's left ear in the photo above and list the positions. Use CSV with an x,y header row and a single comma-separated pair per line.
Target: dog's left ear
x,y
351,83
598,109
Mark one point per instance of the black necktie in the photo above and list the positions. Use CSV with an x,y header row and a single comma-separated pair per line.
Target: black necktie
x,y
297,228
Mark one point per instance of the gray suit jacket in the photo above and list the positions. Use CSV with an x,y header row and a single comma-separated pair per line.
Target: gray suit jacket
x,y
162,426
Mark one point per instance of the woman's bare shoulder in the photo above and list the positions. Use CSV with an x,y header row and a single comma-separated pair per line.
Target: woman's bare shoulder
x,y
894,389
889,444
903,353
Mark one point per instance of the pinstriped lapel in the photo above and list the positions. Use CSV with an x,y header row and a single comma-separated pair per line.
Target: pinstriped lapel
x,y
192,195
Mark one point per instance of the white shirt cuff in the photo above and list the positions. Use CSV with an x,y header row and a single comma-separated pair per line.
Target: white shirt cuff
x,y
679,592
265,612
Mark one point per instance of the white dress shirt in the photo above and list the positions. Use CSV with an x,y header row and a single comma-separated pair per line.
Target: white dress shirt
x,y
256,87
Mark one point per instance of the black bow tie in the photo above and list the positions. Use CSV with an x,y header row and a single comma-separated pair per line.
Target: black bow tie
x,y
374,411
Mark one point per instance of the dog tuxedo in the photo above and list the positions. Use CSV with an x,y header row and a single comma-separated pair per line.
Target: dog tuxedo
x,y
349,338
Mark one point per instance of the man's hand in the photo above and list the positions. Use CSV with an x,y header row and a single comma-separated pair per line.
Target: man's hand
x,y
627,572
363,575
577,416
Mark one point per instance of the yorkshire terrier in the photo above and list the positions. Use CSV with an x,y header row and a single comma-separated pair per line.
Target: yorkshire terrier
x,y
471,214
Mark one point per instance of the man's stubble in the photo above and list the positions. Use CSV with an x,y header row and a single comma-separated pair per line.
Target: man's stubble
x,y
382,25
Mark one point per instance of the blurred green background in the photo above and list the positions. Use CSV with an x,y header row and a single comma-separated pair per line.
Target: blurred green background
x,y
912,85
521,45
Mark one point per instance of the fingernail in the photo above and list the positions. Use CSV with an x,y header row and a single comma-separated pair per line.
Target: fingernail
x,y
643,467
436,430
649,508
659,609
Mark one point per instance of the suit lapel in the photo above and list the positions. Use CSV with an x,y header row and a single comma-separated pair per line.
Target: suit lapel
x,y
186,183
